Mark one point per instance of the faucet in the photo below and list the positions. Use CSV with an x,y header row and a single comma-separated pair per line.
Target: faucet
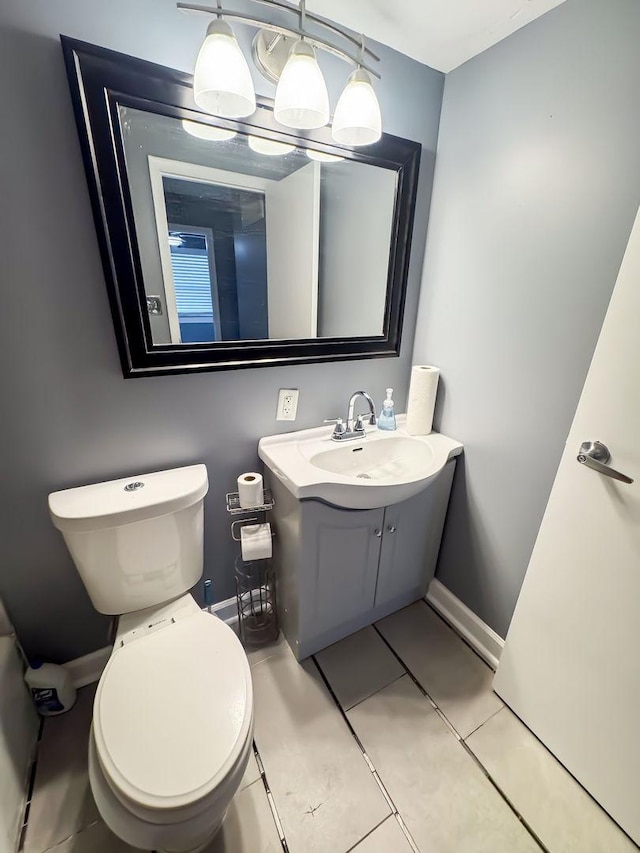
x,y
351,430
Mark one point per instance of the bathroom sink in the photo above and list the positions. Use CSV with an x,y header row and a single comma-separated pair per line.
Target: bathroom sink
x,y
394,458
380,469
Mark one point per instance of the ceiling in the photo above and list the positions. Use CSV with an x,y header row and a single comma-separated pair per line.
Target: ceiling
x,y
440,33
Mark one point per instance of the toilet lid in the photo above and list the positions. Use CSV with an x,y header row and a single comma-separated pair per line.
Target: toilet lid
x,y
173,712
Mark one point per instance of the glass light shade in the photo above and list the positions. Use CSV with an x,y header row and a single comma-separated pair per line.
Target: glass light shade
x,y
269,146
302,100
322,156
206,132
222,83
357,120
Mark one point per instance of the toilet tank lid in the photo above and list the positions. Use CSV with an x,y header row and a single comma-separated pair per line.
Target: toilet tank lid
x,y
129,499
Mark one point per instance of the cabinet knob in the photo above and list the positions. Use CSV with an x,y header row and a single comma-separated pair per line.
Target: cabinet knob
x,y
378,532
391,528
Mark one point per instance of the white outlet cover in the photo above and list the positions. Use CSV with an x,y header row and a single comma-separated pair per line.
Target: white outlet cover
x,y
287,404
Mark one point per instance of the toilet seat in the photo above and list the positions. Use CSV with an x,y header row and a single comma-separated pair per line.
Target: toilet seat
x,y
172,716
137,830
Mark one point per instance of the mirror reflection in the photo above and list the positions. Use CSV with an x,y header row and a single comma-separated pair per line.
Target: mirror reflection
x,y
247,238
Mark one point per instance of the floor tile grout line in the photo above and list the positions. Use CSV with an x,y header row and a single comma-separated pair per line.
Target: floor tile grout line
x,y
384,687
276,818
466,737
270,799
368,761
30,787
371,831
407,834
506,799
542,744
380,784
73,835
22,838
467,749
424,692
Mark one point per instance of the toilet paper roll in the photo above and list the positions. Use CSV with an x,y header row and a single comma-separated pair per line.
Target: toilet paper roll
x,y
255,541
422,399
250,490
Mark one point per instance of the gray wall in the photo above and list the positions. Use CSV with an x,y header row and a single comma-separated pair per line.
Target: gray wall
x,y
69,417
536,188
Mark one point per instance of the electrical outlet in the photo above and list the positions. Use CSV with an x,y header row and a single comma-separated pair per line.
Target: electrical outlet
x,y
287,404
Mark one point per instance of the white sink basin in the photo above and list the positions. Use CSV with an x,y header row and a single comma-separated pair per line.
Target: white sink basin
x,y
381,469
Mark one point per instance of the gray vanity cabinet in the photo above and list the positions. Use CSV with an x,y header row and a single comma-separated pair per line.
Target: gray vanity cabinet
x,y
338,570
342,554
410,530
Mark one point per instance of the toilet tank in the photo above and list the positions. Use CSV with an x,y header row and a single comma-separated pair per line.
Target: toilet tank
x,y
138,541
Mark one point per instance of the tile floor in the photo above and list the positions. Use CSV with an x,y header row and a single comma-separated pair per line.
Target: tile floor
x,y
390,741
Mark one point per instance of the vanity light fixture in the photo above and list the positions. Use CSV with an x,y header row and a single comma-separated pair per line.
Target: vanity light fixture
x,y
357,120
223,85
269,146
302,100
207,132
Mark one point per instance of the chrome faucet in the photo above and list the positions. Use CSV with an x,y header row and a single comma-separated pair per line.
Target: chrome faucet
x,y
351,430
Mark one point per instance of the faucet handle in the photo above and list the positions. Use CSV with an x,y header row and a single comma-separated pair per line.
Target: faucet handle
x,y
340,428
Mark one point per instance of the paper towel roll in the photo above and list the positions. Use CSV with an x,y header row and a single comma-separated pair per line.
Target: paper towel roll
x,y
250,490
422,399
255,541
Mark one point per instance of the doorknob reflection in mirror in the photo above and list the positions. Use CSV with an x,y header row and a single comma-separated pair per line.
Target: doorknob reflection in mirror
x,y
154,305
595,455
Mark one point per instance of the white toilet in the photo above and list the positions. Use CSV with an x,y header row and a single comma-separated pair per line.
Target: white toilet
x,y
173,714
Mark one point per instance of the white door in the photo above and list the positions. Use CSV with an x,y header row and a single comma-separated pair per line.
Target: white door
x,y
293,246
571,664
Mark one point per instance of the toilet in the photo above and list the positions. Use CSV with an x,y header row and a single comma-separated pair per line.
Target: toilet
x,y
172,722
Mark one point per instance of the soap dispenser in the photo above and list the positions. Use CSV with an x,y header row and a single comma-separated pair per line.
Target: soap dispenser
x,y
387,419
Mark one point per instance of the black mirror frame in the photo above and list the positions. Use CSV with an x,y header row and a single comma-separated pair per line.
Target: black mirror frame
x,y
100,81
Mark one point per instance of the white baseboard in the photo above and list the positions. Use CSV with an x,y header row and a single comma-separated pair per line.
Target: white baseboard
x,y
477,633
88,668
226,610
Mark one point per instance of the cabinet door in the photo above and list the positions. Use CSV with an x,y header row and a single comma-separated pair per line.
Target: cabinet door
x,y
340,563
411,540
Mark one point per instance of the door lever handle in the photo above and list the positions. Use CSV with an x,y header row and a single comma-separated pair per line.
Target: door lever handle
x,y
595,455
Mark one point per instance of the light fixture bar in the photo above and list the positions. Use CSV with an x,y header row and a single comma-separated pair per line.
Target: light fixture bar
x,y
317,41
288,7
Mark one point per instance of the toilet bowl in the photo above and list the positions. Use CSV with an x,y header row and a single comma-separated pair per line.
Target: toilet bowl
x,y
172,728
173,713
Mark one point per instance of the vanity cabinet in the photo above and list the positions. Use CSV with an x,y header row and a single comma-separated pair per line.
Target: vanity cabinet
x,y
341,554
338,570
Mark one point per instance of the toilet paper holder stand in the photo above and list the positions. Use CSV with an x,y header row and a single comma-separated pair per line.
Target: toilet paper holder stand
x,y
234,508
242,522
255,580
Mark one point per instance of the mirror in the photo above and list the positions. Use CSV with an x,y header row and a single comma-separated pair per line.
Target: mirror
x,y
228,243
239,241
